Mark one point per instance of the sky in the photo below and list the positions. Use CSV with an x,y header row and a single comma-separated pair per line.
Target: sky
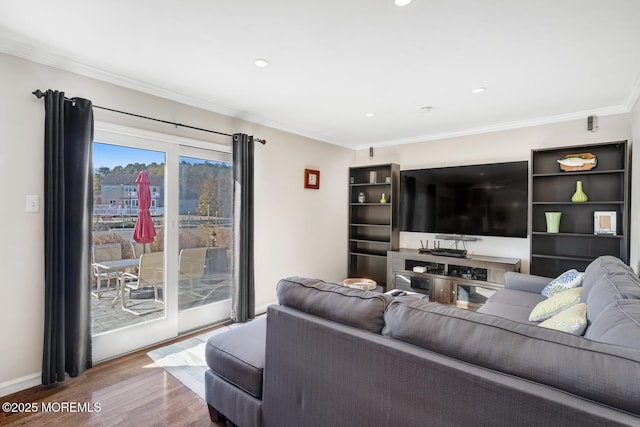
x,y
110,156
106,155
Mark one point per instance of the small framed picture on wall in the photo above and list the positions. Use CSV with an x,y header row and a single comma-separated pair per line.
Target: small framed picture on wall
x,y
311,179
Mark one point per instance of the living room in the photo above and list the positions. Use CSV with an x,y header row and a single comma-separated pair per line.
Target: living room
x,y
304,232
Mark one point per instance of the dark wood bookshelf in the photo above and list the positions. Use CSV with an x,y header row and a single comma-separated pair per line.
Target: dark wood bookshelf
x,y
606,185
373,226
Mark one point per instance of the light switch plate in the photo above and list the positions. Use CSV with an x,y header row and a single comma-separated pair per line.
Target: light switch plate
x,y
32,204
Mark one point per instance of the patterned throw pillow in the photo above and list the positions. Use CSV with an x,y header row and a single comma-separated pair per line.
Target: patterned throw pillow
x,y
555,304
567,280
572,320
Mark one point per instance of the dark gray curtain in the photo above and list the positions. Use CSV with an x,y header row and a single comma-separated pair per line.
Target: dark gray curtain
x,y
243,295
68,201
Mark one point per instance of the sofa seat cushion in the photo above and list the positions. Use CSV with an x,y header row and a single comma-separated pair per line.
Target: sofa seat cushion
x,y
618,323
237,355
353,307
600,372
512,304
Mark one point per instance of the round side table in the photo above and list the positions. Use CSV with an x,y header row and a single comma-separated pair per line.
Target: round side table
x,y
360,283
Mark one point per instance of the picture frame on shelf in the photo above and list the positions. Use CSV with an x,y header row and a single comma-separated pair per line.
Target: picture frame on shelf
x,y
604,222
312,179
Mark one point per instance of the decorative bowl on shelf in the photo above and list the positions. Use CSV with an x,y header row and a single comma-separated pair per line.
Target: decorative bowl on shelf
x,y
578,162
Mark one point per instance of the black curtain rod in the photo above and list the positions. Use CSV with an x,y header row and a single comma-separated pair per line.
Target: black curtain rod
x,y
39,94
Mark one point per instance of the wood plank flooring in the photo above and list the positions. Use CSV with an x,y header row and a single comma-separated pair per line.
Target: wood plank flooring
x,y
130,390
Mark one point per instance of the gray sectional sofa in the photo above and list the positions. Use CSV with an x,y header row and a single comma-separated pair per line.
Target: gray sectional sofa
x,y
330,355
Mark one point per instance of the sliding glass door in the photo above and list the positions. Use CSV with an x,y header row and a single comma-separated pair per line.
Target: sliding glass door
x,y
162,243
205,240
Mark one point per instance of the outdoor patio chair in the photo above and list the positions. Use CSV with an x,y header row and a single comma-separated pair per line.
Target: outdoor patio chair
x,y
136,248
150,276
191,266
104,252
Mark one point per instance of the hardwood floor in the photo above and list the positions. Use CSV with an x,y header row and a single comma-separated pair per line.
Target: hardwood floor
x,y
130,390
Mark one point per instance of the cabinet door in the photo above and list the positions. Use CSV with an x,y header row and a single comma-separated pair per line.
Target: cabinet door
x,y
442,291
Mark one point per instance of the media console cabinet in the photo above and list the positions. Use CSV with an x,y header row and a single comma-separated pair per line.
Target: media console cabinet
x,y
465,282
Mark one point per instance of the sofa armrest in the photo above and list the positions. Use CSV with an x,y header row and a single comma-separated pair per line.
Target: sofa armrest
x,y
525,282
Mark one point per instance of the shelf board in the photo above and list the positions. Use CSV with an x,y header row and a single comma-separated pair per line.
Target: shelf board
x,y
370,204
367,184
610,236
367,254
590,202
564,257
591,172
364,224
381,242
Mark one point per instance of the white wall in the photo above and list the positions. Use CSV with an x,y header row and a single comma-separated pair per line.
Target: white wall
x,y
634,257
503,146
297,231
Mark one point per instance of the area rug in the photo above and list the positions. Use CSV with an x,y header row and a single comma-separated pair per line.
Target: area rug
x,y
185,360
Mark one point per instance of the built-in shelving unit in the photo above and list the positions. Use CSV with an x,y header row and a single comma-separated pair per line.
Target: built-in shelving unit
x,y
373,226
607,187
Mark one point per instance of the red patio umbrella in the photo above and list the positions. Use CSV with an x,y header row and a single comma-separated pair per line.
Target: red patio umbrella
x,y
144,231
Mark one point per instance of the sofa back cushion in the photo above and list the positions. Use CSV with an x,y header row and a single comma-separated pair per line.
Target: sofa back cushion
x,y
353,307
609,289
590,369
618,323
600,268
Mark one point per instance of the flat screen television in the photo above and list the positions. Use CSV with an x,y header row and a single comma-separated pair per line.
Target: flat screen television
x,y
483,200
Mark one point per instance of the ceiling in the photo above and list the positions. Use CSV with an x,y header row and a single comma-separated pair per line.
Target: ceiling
x,y
332,62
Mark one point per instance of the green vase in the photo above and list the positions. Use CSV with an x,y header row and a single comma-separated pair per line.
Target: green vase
x,y
553,221
383,199
579,195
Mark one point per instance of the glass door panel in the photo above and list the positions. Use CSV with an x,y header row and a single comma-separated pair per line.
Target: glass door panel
x,y
127,278
205,239
133,284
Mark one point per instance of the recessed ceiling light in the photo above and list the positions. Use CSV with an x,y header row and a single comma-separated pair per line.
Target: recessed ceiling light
x,y
261,63
401,3
369,115
478,90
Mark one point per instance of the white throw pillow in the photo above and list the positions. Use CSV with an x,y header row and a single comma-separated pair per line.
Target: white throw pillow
x,y
555,304
572,320
567,280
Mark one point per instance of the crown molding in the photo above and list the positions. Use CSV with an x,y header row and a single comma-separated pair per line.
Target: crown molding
x,y
51,58
539,121
35,53
55,59
634,94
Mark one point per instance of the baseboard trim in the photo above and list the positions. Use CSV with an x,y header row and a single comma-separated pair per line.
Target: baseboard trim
x,y
262,309
20,384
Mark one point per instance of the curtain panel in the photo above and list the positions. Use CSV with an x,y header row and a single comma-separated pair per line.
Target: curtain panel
x,y
68,199
243,293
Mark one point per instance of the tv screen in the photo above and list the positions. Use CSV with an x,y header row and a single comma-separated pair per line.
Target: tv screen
x,y
485,200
